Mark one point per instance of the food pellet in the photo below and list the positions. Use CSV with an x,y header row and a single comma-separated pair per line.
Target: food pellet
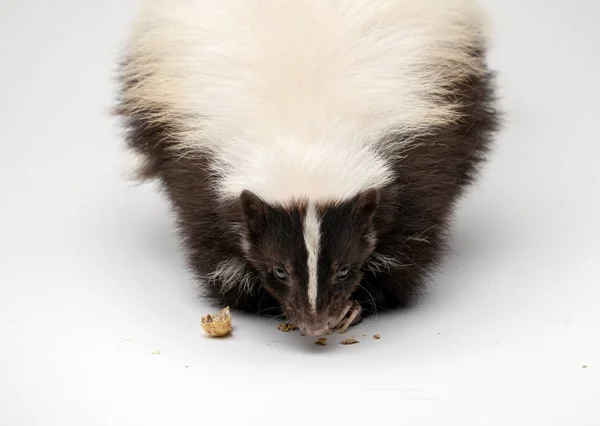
x,y
286,327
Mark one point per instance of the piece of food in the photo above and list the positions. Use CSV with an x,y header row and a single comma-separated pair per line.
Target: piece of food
x,y
286,327
156,353
219,324
377,337
322,341
349,341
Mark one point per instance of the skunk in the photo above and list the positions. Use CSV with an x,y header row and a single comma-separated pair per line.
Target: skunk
x,y
312,150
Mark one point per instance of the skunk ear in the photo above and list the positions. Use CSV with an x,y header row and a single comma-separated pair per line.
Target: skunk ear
x,y
254,210
252,205
366,204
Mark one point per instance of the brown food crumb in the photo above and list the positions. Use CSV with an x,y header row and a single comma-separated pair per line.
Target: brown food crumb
x,y
322,341
349,341
286,327
584,366
377,337
219,324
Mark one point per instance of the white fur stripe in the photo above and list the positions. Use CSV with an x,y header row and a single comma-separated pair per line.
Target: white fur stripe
x,y
312,236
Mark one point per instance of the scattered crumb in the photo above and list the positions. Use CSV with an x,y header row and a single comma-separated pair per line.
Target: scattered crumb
x,y
286,327
186,366
584,366
349,341
322,341
219,324
156,353
376,337
128,340
439,334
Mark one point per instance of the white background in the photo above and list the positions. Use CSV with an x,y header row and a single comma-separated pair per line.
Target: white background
x,y
92,280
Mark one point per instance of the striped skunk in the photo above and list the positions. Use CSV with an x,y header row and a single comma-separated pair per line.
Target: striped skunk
x,y
312,150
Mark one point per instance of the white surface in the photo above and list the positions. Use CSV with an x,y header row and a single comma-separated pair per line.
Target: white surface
x,y
89,262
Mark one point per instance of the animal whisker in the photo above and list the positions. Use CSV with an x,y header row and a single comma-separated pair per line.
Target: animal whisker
x,y
374,304
281,316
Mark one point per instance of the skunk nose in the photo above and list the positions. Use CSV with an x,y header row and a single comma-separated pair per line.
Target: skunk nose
x,y
316,331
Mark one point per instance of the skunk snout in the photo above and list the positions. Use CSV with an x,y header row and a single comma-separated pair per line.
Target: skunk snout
x,y
316,331
323,324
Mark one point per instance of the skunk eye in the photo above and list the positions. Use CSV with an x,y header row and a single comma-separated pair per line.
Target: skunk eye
x,y
343,272
280,274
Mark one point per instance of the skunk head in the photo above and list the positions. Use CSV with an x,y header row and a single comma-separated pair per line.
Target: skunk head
x,y
310,255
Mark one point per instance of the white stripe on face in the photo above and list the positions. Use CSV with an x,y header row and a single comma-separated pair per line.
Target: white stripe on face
x,y
312,236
